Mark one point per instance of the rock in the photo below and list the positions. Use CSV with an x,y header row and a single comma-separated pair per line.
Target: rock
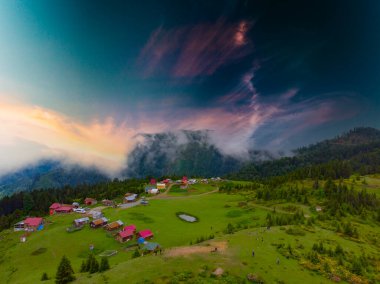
x,y
218,272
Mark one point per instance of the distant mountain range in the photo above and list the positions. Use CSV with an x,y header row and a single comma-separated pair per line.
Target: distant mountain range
x,y
359,145
192,153
49,174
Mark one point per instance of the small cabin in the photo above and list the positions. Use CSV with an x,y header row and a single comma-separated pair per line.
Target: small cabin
x,y
151,248
107,202
125,236
20,226
53,207
161,185
81,221
33,223
99,222
145,234
114,225
130,198
90,201
130,228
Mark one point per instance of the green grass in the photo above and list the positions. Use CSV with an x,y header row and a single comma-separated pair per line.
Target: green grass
x,y
193,189
25,262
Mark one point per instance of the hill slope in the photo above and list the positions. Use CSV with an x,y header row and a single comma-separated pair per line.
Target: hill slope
x,y
49,174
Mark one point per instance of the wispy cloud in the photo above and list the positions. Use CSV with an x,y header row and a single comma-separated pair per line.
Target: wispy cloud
x,y
197,50
44,133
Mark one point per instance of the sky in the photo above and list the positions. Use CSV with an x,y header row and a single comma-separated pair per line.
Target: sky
x,y
80,80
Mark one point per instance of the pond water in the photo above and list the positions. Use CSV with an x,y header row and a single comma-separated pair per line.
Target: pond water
x,y
187,218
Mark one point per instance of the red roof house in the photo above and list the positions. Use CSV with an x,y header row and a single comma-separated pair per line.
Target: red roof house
x,y
90,201
130,228
53,207
124,236
146,234
153,181
33,222
64,209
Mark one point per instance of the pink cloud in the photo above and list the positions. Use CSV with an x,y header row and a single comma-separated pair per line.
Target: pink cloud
x,y
197,50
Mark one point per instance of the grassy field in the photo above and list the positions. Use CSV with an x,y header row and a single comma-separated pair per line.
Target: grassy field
x,y
25,262
193,189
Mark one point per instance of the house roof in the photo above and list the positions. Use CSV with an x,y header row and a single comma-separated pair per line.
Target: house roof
x,y
64,208
55,205
126,233
80,220
99,221
33,221
89,199
151,246
146,233
115,224
130,228
131,197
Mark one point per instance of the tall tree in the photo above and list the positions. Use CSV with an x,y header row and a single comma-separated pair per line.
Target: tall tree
x,y
65,272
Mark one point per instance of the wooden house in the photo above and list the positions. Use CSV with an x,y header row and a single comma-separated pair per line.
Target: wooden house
x,y
145,234
130,198
125,236
99,222
161,186
64,209
33,223
114,225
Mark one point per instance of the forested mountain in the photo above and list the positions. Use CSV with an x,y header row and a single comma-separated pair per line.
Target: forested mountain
x,y
357,150
49,174
187,152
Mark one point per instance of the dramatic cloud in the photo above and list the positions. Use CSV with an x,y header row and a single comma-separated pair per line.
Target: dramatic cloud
x,y
30,132
194,50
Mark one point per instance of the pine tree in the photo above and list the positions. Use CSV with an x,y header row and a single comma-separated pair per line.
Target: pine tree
x,y
65,273
44,277
94,265
104,264
83,267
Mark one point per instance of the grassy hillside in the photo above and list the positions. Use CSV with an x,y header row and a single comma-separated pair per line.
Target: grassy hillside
x,y
287,253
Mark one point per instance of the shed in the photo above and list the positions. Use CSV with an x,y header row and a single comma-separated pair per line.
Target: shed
x,y
20,226
98,222
151,247
81,221
146,234
114,225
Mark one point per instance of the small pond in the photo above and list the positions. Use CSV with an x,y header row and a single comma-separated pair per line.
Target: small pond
x,y
187,218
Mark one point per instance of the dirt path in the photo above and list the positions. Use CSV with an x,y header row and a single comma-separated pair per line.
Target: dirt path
x,y
210,248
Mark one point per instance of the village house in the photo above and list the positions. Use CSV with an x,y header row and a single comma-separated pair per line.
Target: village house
x,y
60,208
153,181
125,236
95,214
130,228
107,202
81,221
161,186
151,248
148,188
114,225
145,234
64,209
20,226
90,201
33,223
130,198
99,222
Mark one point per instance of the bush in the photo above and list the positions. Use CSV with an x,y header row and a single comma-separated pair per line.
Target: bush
x,y
44,277
136,253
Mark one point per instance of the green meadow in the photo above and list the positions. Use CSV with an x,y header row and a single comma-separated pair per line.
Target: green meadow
x,y
280,251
